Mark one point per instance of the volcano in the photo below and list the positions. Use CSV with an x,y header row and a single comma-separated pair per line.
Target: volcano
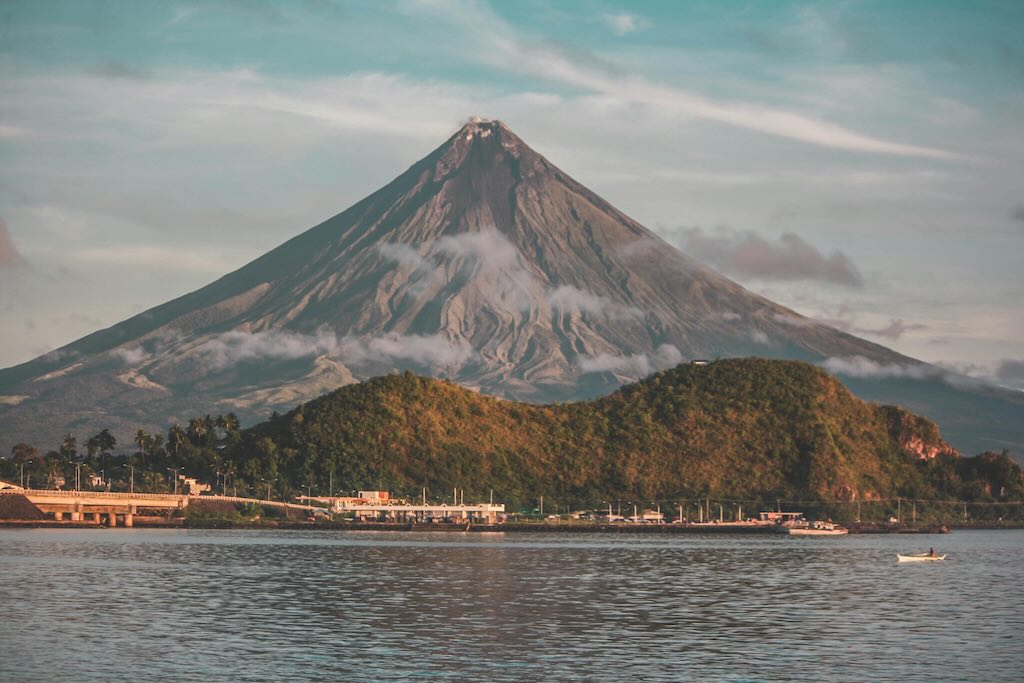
x,y
483,263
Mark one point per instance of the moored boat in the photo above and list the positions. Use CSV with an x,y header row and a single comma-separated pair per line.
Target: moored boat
x,y
817,529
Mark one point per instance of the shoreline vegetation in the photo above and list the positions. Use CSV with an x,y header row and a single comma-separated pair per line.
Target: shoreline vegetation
x,y
740,435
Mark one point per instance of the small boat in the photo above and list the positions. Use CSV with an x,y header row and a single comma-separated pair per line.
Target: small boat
x,y
920,557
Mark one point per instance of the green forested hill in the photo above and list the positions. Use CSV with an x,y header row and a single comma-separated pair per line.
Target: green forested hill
x,y
740,428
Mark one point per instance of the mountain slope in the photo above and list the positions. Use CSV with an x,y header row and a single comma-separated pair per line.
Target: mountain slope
x,y
483,263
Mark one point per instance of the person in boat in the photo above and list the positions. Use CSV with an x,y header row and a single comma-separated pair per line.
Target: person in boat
x,y
931,552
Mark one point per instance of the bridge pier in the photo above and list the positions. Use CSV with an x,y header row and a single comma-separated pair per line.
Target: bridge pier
x,y
111,520
97,517
58,516
76,516
128,522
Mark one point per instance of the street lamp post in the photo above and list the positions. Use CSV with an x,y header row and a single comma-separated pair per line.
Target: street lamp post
x,y
175,470
131,486
28,462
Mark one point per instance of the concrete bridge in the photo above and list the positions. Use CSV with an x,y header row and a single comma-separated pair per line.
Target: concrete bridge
x,y
100,506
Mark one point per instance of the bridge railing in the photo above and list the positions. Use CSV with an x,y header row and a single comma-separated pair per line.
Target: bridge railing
x,y
119,495
163,497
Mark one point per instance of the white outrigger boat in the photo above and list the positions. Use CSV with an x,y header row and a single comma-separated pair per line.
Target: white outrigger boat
x,y
920,557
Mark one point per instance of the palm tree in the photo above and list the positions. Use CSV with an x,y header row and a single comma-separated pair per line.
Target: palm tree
x,y
92,446
69,446
156,443
197,430
107,441
176,438
23,452
142,440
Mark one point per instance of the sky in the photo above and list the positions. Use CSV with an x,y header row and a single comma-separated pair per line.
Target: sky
x,y
860,162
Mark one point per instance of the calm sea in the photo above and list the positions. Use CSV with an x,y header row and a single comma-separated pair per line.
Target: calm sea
x,y
135,605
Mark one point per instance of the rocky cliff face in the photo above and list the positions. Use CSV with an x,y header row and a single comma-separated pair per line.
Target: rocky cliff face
x,y
482,263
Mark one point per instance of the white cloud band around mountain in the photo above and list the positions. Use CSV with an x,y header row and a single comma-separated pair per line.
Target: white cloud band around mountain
x,y
502,267
861,367
569,299
634,365
234,347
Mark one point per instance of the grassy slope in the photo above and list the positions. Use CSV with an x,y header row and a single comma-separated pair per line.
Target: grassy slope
x,y
742,428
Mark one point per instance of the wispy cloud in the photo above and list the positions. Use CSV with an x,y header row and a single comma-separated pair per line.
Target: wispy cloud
x,y
427,350
237,346
859,366
508,49
759,336
621,23
634,365
130,356
894,330
1011,372
183,14
493,258
745,254
9,256
487,255
569,299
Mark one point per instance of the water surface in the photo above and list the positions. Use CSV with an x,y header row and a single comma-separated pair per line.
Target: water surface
x,y
136,604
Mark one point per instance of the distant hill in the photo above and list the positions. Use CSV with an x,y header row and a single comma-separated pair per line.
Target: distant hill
x,y
746,428
483,263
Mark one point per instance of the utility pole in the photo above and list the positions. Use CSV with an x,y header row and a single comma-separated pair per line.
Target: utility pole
x,y
542,506
131,489
858,509
914,512
899,511
680,513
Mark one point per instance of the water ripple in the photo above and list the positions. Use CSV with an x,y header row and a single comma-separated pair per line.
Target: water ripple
x,y
115,605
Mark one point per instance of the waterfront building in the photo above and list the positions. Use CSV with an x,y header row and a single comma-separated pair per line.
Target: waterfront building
x,y
379,506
